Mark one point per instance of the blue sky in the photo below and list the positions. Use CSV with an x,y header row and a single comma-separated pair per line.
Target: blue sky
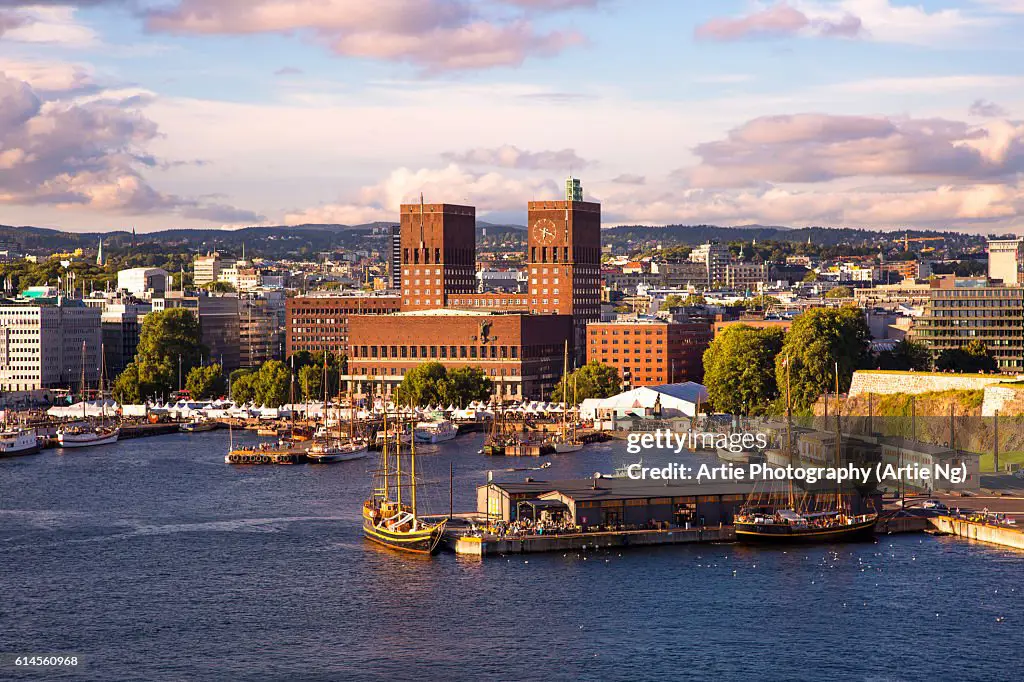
x,y
198,113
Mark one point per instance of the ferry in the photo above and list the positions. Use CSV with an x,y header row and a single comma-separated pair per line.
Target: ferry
x,y
17,442
436,431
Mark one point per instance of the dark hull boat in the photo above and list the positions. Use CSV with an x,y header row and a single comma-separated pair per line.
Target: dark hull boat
x,y
404,537
779,530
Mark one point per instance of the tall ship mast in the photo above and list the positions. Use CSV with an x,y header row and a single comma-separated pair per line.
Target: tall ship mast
x,y
391,514
566,442
85,435
812,519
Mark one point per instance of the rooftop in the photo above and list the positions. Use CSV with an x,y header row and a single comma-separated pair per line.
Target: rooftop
x,y
622,488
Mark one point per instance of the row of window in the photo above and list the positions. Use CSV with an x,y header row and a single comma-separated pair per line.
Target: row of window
x,y
436,352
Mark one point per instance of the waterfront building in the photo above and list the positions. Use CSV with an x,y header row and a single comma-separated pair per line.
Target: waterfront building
x,y
218,323
522,354
143,282
962,310
902,452
121,323
1006,260
41,344
438,254
650,351
319,322
260,336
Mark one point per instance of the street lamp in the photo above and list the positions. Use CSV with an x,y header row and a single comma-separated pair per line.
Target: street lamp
x,y
179,372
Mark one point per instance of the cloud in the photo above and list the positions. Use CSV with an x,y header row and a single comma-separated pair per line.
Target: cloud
x,y
508,156
779,20
629,179
985,109
808,148
78,153
552,5
288,71
451,184
435,35
48,25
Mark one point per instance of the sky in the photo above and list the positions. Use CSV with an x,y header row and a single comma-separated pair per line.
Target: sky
x,y
159,114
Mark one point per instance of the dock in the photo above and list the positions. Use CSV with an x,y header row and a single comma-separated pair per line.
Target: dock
x,y
492,545
992,534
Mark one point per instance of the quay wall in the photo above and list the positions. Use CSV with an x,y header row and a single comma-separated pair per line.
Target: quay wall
x,y
491,546
995,535
1008,400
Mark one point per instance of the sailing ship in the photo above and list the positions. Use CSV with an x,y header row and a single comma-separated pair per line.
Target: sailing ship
x,y
84,434
330,449
567,439
391,515
283,452
806,521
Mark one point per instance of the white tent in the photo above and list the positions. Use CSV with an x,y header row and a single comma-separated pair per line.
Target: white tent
x,y
92,408
670,400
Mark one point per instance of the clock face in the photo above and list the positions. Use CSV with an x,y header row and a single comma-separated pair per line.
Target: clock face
x,y
544,231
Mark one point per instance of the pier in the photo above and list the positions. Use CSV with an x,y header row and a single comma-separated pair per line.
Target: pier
x,y
982,532
492,545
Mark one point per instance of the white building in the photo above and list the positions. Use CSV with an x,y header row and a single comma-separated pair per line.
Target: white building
x,y
41,345
1005,260
143,282
715,258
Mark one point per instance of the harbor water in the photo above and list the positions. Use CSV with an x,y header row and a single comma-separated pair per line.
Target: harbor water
x,y
154,560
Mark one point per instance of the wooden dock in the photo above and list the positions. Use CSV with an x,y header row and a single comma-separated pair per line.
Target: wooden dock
x,y
982,532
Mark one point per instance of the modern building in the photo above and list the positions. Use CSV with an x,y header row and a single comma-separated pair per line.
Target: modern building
x,y
395,260
715,258
899,270
650,351
260,336
320,322
143,282
522,354
41,345
1006,260
121,322
962,310
207,269
218,323
681,275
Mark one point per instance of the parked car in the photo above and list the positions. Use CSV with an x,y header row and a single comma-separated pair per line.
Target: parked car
x,y
935,505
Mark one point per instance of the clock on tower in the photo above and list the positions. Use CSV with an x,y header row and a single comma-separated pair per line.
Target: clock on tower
x,y
544,231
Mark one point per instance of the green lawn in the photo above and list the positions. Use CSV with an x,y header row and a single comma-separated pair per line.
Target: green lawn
x,y
987,460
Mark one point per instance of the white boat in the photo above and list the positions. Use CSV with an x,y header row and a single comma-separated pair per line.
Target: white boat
x,y
567,446
18,442
197,426
85,436
436,431
392,437
328,453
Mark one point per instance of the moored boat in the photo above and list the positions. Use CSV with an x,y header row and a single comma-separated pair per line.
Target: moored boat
x,y
197,426
331,452
83,436
435,431
786,525
18,442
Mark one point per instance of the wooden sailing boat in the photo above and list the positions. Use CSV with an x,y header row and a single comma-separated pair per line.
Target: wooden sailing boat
x,y
84,435
391,514
498,435
331,450
566,441
804,522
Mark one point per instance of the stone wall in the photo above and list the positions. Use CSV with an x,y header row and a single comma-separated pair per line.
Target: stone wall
x,y
1009,400
913,383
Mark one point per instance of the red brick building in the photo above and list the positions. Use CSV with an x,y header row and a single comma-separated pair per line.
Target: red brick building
x,y
321,322
522,354
438,251
650,352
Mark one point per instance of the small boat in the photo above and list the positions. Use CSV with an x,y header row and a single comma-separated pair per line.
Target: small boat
x,y
329,453
392,436
197,426
563,446
79,436
18,442
741,457
267,431
436,431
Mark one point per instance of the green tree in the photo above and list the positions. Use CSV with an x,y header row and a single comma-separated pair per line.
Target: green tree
x,y
761,302
907,355
811,276
204,383
127,390
739,369
839,292
463,385
672,301
971,359
592,380
818,339
168,337
311,382
271,384
220,287
242,391
695,299
424,384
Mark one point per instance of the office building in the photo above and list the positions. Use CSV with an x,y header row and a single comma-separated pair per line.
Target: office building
x,y
1005,260
260,336
41,345
143,282
218,323
121,322
320,322
438,254
395,260
650,351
